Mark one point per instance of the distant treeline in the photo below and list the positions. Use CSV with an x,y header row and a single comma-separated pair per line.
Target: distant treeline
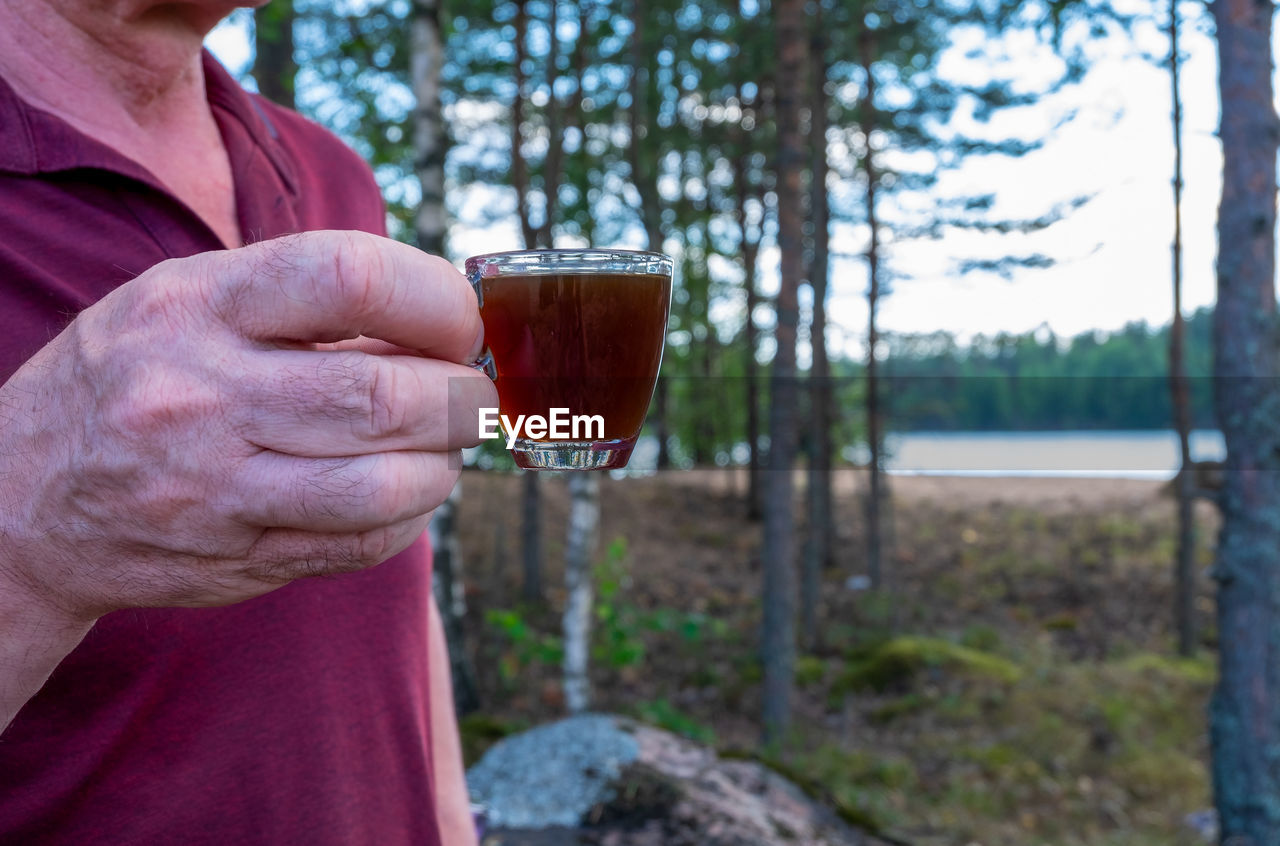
x,y
1037,380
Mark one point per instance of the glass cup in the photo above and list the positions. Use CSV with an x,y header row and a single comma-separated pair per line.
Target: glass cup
x,y
574,342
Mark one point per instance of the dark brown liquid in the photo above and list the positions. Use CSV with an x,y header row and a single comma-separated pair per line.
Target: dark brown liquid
x,y
590,343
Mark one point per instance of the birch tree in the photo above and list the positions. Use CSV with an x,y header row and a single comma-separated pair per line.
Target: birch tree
x,y
426,58
580,547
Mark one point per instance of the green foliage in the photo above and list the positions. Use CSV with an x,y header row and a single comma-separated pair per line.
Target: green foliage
x,y
619,625
619,632
525,647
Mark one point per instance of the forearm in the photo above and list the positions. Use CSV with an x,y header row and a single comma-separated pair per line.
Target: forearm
x,y
33,641
453,807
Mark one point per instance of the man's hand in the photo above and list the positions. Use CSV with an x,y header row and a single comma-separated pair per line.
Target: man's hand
x,y
195,439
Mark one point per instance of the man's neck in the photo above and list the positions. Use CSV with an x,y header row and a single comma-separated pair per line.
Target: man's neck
x,y
107,69
128,73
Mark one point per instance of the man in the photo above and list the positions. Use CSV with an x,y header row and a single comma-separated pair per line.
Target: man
x,y
232,409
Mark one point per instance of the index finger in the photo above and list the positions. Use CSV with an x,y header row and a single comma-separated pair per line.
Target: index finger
x,y
332,286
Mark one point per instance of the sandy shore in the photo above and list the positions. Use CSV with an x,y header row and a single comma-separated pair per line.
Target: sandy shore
x,y
1065,492
1025,490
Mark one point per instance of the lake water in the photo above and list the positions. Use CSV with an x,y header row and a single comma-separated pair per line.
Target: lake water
x,y
1100,454
1127,454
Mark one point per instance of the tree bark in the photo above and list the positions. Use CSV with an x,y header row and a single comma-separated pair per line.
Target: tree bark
x,y
817,551
643,167
451,598
578,61
552,165
875,493
1184,576
750,252
531,493
426,61
580,548
778,635
520,168
1245,711
531,537
751,334
645,179
426,58
274,67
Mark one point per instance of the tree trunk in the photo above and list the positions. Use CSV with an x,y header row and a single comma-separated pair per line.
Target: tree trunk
x,y
643,166
578,61
531,537
274,67
520,168
531,493
1184,576
778,635
446,581
817,551
705,425
751,334
1245,711
552,165
645,179
660,432
580,548
426,59
755,489
875,496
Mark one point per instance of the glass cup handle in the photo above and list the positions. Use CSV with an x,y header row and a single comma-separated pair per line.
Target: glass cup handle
x,y
485,362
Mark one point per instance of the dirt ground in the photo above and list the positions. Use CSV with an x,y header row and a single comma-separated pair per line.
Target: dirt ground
x,y
1066,579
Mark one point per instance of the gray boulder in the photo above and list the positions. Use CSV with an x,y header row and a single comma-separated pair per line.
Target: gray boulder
x,y
599,780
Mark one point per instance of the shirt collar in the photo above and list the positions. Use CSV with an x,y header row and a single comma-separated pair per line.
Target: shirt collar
x,y
34,141
223,92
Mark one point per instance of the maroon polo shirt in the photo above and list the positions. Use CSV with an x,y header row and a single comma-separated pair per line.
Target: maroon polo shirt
x,y
300,717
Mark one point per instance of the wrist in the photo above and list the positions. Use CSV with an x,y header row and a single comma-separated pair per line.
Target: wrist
x,y
34,638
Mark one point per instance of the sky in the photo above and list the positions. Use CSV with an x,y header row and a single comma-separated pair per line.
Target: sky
x,y
1112,255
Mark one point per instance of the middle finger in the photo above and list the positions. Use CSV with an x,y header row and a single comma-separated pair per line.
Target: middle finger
x,y
321,404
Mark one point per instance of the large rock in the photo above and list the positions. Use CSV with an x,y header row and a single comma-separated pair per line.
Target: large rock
x,y
608,781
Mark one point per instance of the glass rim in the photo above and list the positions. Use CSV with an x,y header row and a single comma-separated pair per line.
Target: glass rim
x,y
569,254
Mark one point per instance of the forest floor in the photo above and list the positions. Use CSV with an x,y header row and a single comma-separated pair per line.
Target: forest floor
x,y
1015,684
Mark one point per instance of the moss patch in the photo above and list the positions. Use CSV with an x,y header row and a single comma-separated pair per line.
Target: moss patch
x,y
893,663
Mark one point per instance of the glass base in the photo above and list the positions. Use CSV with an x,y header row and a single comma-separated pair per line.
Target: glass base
x,y
572,455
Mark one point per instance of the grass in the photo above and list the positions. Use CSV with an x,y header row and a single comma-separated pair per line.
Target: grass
x,y
1060,754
